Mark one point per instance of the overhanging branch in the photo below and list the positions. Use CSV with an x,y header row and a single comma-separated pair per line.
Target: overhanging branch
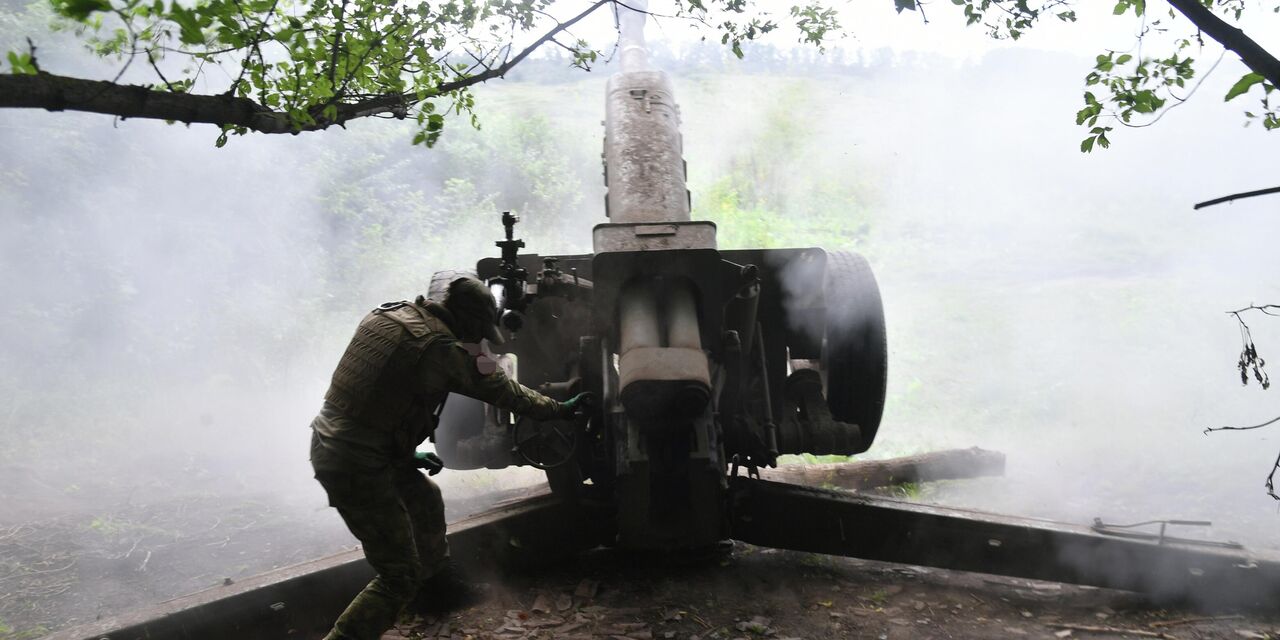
x,y
1250,52
1237,196
63,93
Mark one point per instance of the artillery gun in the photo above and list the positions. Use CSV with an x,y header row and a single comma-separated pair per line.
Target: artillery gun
x,y
706,361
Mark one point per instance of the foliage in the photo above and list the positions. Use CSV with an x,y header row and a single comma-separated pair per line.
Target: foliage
x,y
1136,87
777,191
396,217
317,63
307,58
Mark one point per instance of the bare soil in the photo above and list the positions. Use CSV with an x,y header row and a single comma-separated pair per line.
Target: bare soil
x,y
65,561
84,565
764,593
72,557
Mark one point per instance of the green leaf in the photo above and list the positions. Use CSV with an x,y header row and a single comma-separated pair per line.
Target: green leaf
x,y
1086,145
1124,57
188,23
904,5
22,63
1139,7
1243,84
1091,109
80,9
1145,101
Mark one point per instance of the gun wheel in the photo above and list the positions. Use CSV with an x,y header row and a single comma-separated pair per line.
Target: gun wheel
x,y
856,359
545,444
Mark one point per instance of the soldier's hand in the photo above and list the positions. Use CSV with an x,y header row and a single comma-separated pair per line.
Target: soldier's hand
x,y
578,405
429,461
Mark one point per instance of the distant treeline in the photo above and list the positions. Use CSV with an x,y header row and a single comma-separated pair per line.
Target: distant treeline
x,y
554,65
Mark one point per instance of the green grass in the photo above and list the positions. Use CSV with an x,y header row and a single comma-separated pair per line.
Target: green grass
x,y
7,632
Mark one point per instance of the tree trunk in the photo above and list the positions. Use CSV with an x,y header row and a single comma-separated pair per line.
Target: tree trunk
x,y
951,464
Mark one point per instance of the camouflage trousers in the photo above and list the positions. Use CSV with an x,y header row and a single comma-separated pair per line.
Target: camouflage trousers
x,y
398,516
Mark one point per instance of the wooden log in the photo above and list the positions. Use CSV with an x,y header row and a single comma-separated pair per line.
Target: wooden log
x,y
951,464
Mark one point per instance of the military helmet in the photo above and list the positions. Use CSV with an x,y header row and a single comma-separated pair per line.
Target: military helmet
x,y
474,308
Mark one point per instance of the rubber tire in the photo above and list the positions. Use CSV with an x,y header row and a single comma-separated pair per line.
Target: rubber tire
x,y
462,417
855,358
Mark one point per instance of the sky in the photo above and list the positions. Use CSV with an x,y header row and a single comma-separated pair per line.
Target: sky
x,y
875,24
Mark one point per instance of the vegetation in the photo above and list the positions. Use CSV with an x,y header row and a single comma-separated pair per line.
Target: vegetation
x,y
305,66
1137,87
775,193
291,66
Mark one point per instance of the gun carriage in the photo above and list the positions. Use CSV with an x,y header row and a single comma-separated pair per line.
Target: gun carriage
x,y
704,360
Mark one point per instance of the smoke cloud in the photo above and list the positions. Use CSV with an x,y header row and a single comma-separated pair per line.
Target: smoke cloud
x,y
173,311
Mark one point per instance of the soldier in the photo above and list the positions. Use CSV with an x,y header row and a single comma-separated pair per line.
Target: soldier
x,y
383,402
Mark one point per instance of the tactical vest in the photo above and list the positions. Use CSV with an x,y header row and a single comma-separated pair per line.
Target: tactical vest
x,y
377,380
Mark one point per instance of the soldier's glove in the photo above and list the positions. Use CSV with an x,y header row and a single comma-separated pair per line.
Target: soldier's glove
x,y
577,405
429,461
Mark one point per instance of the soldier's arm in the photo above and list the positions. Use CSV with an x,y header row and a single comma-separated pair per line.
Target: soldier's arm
x,y
448,366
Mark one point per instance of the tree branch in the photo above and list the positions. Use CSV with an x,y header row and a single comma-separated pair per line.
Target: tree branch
x,y
1236,196
1209,430
1271,478
1275,466
1253,55
63,93
502,69
1249,361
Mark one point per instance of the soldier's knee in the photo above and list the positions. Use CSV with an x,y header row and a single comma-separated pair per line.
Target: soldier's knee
x,y
433,491
412,482
401,585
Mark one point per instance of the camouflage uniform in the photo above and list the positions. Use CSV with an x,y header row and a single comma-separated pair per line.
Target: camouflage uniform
x,y
383,402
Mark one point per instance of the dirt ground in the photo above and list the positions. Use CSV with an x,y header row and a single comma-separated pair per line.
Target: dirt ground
x,y
74,568
68,564
757,593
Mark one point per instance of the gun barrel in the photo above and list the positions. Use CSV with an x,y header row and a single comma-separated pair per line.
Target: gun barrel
x,y
633,50
643,149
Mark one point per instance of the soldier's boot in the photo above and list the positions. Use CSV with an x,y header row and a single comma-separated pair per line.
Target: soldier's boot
x,y
448,590
373,611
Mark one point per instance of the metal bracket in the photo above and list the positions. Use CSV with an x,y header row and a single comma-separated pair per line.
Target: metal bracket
x,y
753,470
1123,531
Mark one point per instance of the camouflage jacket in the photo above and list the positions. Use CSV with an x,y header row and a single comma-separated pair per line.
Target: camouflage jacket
x,y
400,366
